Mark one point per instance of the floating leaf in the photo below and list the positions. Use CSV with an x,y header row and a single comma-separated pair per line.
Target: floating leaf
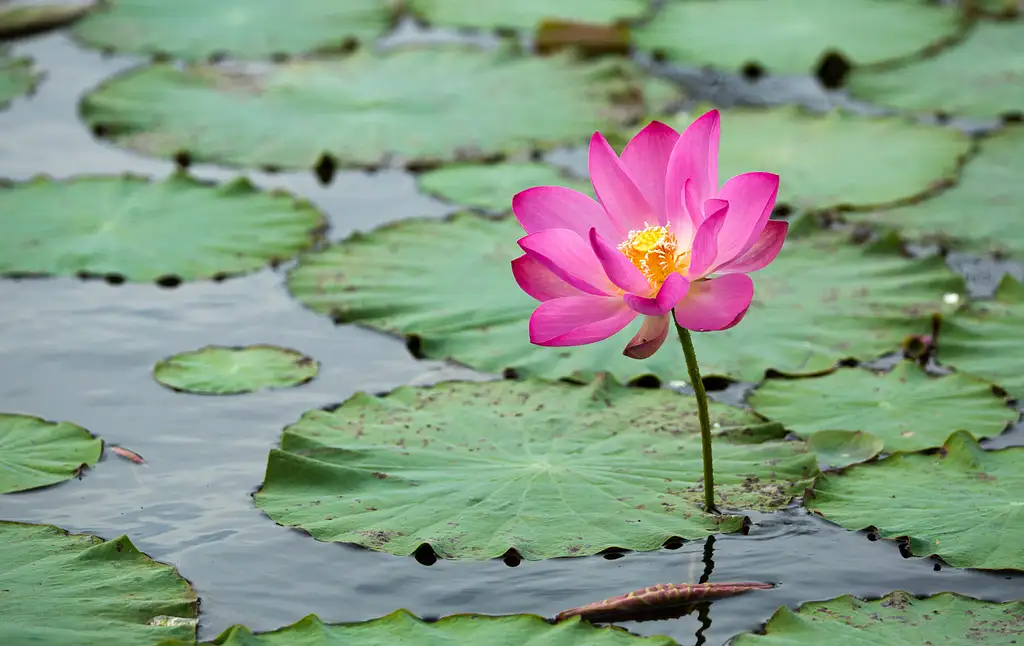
x,y
401,627
146,230
36,453
449,284
792,36
627,607
216,370
908,409
980,213
985,337
962,504
550,470
21,20
420,105
524,14
254,29
999,9
16,77
981,77
491,187
946,619
61,588
840,449
588,39
838,160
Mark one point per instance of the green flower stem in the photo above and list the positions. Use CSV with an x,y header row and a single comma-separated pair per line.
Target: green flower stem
x,y
702,414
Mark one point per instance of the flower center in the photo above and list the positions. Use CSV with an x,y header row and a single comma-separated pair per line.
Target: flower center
x,y
656,253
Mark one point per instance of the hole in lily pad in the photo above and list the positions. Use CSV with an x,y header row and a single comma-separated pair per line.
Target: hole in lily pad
x,y
216,370
832,70
424,555
37,453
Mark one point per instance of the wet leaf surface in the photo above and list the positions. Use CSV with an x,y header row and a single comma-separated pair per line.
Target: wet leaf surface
x,y
36,453
839,449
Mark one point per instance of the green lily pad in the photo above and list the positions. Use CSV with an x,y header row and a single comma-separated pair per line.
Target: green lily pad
x,y
962,504
401,627
419,105
525,14
792,36
36,453
61,588
18,20
840,449
981,77
908,409
551,470
985,337
216,370
17,77
246,29
980,213
946,619
146,230
999,9
838,160
448,284
491,187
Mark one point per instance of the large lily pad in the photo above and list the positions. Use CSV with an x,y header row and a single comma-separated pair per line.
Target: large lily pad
x,y
253,29
60,588
985,337
907,408
980,77
216,370
946,619
981,213
838,160
476,469
16,77
401,627
491,187
416,104
36,453
524,14
962,504
19,20
791,36
146,230
448,283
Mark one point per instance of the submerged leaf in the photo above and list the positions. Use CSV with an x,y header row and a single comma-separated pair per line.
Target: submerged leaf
x,y
629,606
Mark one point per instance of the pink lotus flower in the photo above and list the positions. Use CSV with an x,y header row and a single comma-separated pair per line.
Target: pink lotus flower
x,y
662,236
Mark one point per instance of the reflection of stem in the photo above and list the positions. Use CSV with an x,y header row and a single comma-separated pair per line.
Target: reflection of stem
x,y
709,559
702,414
704,617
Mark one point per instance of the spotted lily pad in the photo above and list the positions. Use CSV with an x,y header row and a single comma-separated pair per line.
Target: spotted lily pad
x,y
216,370
16,77
838,160
253,29
401,627
981,213
415,104
980,77
60,588
549,470
961,504
448,285
985,337
840,449
524,14
18,20
491,187
946,619
36,453
907,408
146,230
792,36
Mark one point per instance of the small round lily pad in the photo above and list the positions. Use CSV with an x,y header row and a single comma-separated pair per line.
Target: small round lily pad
x,y
792,36
417,105
35,452
245,29
217,370
61,588
17,77
546,469
906,407
20,20
946,619
981,77
524,14
144,230
491,187
962,504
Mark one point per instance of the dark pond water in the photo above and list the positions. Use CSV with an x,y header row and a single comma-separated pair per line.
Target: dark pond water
x,y
83,351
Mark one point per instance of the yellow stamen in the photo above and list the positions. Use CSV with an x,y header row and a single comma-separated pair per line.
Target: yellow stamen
x,y
656,253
